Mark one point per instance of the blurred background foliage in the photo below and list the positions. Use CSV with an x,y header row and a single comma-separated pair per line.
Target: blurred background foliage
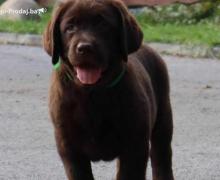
x,y
197,23
1,1
205,11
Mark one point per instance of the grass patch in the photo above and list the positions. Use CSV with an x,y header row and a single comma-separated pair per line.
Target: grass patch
x,y
1,1
25,26
155,28
197,24
198,34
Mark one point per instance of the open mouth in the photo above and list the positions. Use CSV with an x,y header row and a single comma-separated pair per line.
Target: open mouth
x,y
88,76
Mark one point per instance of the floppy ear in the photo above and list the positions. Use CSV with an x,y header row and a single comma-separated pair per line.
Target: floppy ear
x,y
131,36
52,35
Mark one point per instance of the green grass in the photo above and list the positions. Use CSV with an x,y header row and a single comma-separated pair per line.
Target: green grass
x,y
25,26
1,1
199,34
206,33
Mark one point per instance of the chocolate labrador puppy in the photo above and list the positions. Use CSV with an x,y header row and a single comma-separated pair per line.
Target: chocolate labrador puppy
x,y
109,95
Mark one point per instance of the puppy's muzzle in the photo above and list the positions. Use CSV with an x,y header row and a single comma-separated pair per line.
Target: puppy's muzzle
x,y
84,48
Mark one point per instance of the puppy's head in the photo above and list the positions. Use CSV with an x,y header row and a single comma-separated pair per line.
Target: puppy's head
x,y
93,37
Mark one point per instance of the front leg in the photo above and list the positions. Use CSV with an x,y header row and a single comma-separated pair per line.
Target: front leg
x,y
132,163
76,165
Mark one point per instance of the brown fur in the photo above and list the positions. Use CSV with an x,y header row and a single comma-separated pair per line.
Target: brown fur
x,y
128,121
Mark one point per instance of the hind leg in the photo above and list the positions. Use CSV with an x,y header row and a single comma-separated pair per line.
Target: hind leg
x,y
161,152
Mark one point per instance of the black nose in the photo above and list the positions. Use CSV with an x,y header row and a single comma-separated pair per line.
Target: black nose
x,y
84,48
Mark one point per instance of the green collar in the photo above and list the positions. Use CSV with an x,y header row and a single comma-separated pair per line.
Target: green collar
x,y
111,85
117,79
57,66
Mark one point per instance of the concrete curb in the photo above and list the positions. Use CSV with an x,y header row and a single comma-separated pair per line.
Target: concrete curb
x,y
163,48
22,39
187,50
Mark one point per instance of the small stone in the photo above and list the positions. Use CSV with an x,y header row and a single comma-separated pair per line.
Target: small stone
x,y
19,10
208,87
46,3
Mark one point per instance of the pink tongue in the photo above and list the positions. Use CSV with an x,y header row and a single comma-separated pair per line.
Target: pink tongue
x,y
88,76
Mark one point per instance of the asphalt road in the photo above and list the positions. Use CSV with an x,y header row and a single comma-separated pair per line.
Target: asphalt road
x,y
27,147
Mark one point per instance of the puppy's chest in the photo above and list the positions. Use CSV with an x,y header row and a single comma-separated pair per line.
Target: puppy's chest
x,y
103,114
100,124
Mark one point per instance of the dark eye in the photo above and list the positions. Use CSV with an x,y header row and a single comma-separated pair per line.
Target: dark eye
x,y
71,28
99,21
